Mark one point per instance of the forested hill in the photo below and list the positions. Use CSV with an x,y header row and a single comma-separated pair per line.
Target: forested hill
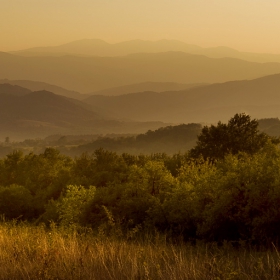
x,y
271,126
170,139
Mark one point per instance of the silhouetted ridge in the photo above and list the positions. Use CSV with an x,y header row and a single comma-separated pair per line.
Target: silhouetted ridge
x,y
88,74
13,90
42,113
259,98
170,139
37,86
96,47
145,86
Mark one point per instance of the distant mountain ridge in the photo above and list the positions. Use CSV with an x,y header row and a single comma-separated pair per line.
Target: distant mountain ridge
x,y
37,86
25,114
96,47
43,106
145,86
16,90
169,140
259,98
88,74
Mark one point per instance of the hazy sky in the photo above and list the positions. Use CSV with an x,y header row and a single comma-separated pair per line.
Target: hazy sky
x,y
248,25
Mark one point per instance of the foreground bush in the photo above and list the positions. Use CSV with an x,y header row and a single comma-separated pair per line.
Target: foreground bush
x,y
235,198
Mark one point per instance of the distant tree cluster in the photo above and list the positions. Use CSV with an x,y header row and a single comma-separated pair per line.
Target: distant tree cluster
x,y
241,134
169,140
226,188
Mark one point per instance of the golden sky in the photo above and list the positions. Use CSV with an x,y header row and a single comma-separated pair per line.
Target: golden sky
x,y
246,25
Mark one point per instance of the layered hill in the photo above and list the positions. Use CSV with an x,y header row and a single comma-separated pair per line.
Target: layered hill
x,y
95,47
88,74
170,140
146,86
15,90
259,97
25,114
37,86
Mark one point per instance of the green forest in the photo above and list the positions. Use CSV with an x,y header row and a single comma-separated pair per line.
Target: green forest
x,y
225,188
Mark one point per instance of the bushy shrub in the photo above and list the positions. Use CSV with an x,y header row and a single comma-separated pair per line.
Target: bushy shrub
x,y
73,205
246,198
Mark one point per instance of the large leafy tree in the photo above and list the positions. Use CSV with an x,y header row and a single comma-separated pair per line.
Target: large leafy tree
x,y
240,134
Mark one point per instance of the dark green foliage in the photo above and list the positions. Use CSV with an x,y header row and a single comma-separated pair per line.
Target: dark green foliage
x,y
231,194
16,202
10,168
245,198
239,135
44,175
130,201
100,169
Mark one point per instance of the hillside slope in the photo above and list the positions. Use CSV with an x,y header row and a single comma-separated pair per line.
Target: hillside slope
x,y
42,113
37,86
8,89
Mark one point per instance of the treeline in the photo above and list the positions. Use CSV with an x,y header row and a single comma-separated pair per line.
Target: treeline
x,y
231,195
169,140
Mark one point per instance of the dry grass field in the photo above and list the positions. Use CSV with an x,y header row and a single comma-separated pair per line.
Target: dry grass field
x,y
32,252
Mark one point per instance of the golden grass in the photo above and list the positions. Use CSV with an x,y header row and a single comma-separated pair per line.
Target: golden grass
x,y
29,252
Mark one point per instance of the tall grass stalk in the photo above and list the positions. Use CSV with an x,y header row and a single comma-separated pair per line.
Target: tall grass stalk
x,y
29,252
